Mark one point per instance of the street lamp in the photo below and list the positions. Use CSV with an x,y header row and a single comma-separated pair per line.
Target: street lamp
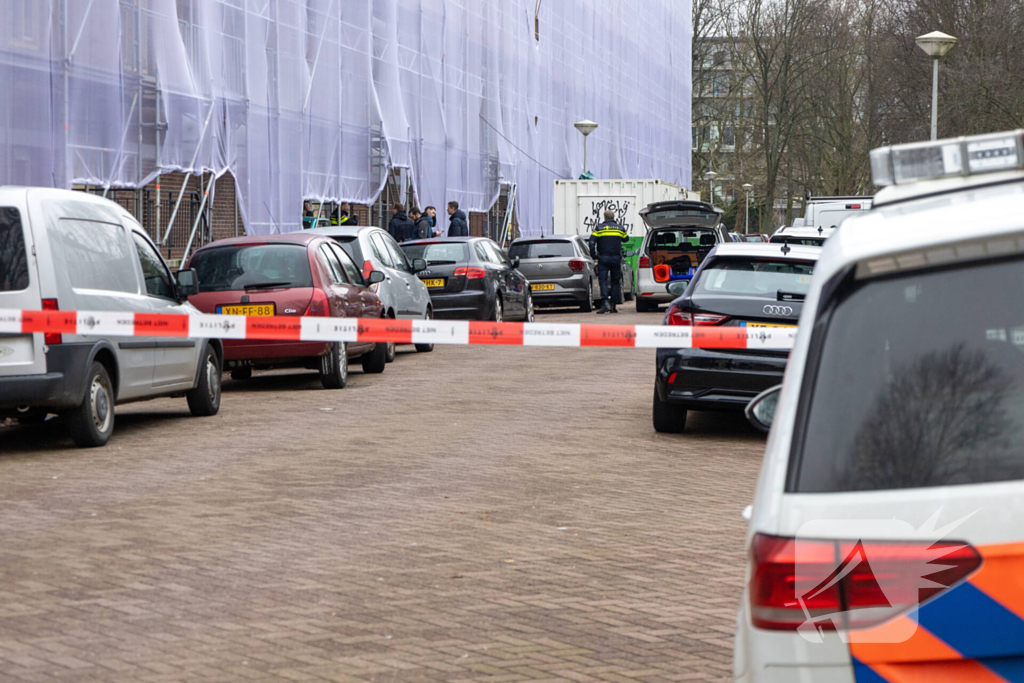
x,y
935,44
586,127
746,225
710,177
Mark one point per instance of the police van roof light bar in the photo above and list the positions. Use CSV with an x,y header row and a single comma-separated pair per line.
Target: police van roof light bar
x,y
964,156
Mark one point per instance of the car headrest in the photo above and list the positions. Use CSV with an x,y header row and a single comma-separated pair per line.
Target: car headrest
x,y
707,240
667,239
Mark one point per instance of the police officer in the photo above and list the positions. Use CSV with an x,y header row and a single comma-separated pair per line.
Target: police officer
x,y
606,247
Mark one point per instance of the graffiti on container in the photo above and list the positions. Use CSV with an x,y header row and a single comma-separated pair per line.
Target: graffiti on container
x,y
599,206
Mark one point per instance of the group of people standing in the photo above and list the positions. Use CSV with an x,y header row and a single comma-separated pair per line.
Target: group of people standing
x,y
417,225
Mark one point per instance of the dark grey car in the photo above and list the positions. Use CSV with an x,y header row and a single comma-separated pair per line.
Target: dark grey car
x,y
561,271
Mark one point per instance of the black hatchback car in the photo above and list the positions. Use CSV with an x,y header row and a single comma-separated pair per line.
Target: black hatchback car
x,y
737,285
472,278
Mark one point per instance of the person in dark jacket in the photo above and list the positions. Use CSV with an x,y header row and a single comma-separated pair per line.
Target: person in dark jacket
x,y
400,226
423,228
431,212
458,227
606,247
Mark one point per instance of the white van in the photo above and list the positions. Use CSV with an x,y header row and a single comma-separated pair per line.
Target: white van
x,y
64,250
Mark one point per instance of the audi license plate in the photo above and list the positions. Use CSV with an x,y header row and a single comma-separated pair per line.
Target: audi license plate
x,y
541,288
752,325
436,282
248,309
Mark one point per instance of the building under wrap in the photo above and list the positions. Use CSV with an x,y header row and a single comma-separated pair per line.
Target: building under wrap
x,y
315,99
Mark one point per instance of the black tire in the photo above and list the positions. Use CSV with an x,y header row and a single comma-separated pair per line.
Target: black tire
x,y
588,305
498,314
204,400
334,367
668,418
241,372
426,348
632,290
92,423
375,361
643,306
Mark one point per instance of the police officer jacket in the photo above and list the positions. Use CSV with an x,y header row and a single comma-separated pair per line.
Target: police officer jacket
x,y
606,241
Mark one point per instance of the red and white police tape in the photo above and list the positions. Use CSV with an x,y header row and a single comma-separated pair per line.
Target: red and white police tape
x,y
295,328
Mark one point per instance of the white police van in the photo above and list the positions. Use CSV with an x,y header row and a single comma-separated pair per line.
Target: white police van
x,y
886,536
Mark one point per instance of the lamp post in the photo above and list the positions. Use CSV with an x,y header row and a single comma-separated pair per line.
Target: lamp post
x,y
710,177
935,44
586,127
746,224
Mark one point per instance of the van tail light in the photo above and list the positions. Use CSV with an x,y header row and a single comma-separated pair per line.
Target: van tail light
x,y
848,584
662,272
51,338
470,272
677,316
577,265
645,262
318,305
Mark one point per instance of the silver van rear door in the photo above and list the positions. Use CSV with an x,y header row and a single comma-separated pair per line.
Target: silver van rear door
x,y
20,354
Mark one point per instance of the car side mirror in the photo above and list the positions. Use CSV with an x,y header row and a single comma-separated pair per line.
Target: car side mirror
x,y
187,283
630,253
515,261
761,410
419,264
375,277
677,287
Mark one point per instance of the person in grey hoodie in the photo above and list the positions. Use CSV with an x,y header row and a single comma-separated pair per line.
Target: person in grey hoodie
x,y
458,227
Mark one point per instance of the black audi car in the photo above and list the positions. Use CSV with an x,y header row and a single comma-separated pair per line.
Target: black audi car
x,y
737,285
472,278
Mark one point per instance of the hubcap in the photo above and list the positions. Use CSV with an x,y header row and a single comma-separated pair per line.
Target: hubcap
x,y
529,310
497,310
99,403
343,360
212,378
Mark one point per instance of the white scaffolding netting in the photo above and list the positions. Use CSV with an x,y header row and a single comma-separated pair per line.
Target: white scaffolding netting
x,y
316,99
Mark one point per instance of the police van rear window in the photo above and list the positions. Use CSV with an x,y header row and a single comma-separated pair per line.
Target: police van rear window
x,y
13,257
920,383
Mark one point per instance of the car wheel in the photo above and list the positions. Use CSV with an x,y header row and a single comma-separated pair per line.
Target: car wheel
x,y
498,311
241,372
375,361
643,306
588,305
529,316
668,418
334,367
204,400
390,354
92,423
426,348
632,289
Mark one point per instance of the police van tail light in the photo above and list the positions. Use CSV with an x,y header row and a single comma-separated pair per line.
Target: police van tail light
x,y
845,585
676,316
645,262
964,156
577,265
52,338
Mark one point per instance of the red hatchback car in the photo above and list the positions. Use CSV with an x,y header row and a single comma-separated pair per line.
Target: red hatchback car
x,y
291,274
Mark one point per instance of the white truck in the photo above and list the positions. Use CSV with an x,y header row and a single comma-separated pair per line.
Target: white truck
x,y
579,205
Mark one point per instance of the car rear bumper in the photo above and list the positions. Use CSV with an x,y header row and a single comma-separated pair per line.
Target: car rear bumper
x,y
715,380
61,386
257,350
471,305
649,290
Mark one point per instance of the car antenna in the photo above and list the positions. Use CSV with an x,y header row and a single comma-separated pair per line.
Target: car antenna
x,y
785,248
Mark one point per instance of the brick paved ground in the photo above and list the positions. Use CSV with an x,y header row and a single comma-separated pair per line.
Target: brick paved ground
x,y
474,514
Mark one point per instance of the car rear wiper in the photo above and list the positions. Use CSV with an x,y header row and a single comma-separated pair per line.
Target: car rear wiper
x,y
267,285
790,296
441,263
548,256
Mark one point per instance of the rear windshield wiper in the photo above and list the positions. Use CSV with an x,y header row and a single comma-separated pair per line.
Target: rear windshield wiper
x,y
441,263
790,296
548,256
267,285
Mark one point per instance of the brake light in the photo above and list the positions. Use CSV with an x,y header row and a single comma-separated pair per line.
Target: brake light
x,y
848,584
470,272
853,206
662,272
677,316
318,305
51,338
577,265
645,262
